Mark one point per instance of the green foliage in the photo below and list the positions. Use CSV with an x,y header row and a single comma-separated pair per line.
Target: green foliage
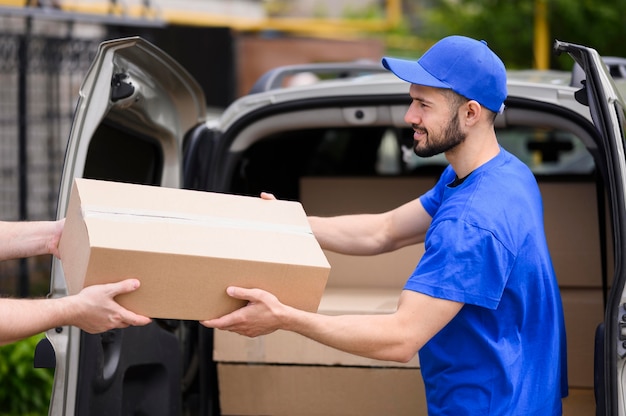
x,y
508,26
24,390
600,24
505,25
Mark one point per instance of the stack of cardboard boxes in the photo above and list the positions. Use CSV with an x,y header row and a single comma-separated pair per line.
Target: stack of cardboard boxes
x,y
287,374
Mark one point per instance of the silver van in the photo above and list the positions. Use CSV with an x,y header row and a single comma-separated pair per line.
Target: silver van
x,y
337,143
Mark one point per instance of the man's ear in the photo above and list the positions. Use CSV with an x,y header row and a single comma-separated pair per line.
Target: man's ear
x,y
472,112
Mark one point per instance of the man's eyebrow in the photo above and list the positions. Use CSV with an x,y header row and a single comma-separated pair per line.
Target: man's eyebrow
x,y
420,99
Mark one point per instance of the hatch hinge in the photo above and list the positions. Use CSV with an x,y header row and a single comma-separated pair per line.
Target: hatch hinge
x,y
121,87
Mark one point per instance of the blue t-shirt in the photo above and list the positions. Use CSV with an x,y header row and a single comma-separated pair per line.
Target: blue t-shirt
x,y
504,352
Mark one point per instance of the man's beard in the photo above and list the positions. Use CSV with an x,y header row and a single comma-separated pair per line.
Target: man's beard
x,y
434,145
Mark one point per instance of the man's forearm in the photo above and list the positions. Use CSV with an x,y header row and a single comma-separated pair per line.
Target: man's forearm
x,y
355,334
351,234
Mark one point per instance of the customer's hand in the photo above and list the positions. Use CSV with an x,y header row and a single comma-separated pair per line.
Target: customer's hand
x,y
57,230
95,309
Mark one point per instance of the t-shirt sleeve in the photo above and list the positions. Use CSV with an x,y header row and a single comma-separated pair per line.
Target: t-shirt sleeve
x,y
463,263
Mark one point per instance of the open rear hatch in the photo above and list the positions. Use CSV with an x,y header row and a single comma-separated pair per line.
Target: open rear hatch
x,y
136,107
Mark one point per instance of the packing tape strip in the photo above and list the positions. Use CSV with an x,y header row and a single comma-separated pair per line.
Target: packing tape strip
x,y
193,219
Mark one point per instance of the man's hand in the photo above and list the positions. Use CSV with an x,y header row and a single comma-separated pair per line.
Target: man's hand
x,y
262,315
267,196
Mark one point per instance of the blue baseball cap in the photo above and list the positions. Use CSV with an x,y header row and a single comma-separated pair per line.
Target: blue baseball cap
x,y
464,65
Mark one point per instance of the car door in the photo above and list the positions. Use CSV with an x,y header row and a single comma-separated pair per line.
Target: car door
x,y
607,111
135,109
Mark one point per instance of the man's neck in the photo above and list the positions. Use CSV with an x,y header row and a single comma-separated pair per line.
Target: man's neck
x,y
471,154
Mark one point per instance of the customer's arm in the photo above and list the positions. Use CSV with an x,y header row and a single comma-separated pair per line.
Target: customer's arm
x,y
19,239
94,310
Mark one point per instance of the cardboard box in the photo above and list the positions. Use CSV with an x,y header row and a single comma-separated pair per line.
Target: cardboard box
x,y
584,310
580,402
325,196
575,250
288,390
186,247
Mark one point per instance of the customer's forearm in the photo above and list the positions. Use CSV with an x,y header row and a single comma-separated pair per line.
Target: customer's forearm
x,y
27,238
22,318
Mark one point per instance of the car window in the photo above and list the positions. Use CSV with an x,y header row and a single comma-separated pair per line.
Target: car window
x,y
547,151
273,155
278,161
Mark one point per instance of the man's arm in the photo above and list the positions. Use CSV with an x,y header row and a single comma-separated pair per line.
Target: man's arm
x,y
93,309
393,337
370,234
29,238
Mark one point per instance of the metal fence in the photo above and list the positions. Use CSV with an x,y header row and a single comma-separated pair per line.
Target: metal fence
x,y
42,64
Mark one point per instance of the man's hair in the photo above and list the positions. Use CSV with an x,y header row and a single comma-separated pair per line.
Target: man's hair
x,y
456,100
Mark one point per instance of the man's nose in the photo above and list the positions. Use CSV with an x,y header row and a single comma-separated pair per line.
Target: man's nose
x,y
411,116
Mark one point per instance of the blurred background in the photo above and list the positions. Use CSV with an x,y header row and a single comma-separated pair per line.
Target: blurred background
x,y
46,48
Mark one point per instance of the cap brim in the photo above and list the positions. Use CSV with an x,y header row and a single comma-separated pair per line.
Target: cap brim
x,y
413,72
